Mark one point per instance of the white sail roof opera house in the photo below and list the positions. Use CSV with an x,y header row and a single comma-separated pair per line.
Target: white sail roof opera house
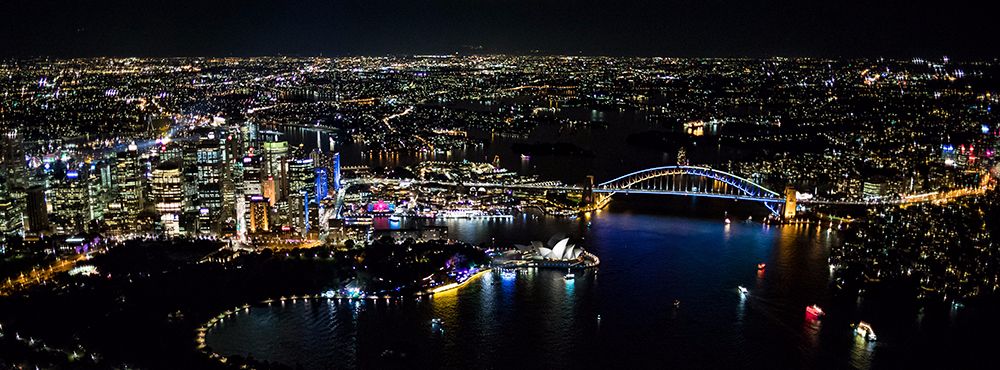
x,y
559,248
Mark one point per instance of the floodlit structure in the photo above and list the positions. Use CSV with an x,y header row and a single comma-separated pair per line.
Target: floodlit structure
x,y
559,248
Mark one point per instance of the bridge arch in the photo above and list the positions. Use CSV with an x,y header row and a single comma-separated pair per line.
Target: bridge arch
x,y
651,181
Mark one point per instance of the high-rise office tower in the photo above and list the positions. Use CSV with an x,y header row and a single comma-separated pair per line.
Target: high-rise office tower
x,y
210,163
168,195
13,182
252,176
336,172
98,189
70,202
267,187
232,172
128,180
276,167
302,177
13,166
36,211
322,184
319,160
10,218
259,208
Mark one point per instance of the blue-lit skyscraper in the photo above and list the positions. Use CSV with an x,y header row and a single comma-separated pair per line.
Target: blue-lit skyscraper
x,y
336,171
322,184
305,213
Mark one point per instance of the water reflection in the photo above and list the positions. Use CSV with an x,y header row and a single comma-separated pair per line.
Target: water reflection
x,y
647,262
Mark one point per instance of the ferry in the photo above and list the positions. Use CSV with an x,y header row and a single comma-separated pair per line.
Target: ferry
x,y
508,274
815,311
865,330
358,220
743,290
569,275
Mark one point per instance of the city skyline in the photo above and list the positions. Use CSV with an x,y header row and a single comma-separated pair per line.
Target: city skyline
x,y
455,184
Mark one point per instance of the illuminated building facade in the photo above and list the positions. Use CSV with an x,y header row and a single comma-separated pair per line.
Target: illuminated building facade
x,y
70,202
259,218
322,184
276,167
210,160
168,195
128,175
336,172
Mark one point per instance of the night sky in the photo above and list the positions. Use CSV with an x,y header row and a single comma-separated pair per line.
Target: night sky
x,y
71,28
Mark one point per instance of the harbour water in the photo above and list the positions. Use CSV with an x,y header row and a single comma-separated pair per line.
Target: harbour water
x,y
621,315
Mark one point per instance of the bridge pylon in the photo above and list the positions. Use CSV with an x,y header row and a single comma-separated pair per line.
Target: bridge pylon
x,y
588,190
791,198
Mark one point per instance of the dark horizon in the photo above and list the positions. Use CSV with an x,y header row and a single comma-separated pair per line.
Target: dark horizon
x,y
674,28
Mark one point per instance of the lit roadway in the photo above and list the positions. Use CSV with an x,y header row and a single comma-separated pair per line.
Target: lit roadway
x,y
393,129
39,275
555,186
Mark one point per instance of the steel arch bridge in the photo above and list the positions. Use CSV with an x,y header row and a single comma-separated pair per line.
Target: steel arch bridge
x,y
692,181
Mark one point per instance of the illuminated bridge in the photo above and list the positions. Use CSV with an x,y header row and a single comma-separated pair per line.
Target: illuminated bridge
x,y
706,182
693,181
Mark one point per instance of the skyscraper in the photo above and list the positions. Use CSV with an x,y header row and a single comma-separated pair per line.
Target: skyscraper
x,y
275,167
302,177
10,218
70,202
210,161
12,160
252,176
168,195
267,188
322,184
259,208
13,181
336,172
128,177
36,211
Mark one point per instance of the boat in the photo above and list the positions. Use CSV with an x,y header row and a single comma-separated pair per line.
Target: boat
x,y
865,330
569,275
815,311
761,266
728,221
436,321
508,274
743,290
677,303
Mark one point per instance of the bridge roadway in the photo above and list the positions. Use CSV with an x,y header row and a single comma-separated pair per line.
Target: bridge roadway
x,y
556,186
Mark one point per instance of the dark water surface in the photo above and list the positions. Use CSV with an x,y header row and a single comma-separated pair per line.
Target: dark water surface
x,y
535,319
